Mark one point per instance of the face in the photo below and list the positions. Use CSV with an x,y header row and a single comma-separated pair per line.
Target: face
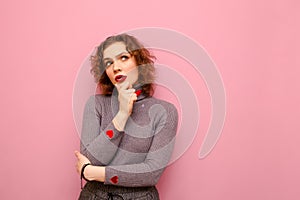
x,y
120,65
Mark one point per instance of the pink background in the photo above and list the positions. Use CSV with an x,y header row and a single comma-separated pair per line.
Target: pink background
x,y
255,45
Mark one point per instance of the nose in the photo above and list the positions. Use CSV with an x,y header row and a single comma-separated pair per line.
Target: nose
x,y
117,67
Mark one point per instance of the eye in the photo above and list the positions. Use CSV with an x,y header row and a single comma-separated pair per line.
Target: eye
x,y
124,57
108,63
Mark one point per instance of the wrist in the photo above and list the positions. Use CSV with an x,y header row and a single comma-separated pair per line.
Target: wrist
x,y
87,172
95,173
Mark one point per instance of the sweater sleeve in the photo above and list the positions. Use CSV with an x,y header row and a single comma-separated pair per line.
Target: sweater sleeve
x,y
98,144
149,171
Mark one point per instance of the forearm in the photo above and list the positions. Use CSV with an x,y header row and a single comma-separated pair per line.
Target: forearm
x,y
104,146
146,173
120,120
142,178
95,173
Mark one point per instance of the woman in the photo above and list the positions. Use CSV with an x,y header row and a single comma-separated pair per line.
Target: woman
x,y
127,135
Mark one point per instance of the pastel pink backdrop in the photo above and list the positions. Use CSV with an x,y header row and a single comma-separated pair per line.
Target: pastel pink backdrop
x,y
255,45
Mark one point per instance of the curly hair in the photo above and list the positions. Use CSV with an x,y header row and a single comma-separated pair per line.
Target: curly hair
x,y
144,61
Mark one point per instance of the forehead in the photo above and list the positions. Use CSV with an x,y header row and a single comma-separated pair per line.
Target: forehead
x,y
114,49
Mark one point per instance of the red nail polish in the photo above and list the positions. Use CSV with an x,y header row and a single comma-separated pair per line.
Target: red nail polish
x,y
138,92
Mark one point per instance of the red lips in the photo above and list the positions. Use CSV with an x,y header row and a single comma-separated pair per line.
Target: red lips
x,y
120,78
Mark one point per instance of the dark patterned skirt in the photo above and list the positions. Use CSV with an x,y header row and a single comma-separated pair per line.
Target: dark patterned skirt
x,y
95,190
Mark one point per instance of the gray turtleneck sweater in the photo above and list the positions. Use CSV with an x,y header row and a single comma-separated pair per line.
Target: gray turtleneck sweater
x,y
138,155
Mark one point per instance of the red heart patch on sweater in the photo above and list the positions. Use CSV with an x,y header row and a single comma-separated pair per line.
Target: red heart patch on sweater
x,y
110,133
114,179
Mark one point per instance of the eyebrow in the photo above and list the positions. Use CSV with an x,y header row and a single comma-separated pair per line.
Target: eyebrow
x,y
124,52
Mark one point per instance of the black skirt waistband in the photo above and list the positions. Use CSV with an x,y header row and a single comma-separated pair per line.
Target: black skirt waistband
x,y
97,190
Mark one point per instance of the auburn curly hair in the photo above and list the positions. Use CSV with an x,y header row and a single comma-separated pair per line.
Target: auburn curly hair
x,y
144,60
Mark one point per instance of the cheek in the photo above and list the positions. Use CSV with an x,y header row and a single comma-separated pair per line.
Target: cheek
x,y
131,66
132,71
110,75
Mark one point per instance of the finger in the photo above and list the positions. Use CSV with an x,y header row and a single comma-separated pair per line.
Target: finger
x,y
130,91
78,155
120,86
124,85
133,98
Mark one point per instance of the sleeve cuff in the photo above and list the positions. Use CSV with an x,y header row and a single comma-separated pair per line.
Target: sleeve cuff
x,y
111,177
111,132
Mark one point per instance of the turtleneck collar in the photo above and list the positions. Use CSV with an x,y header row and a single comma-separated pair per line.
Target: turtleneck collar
x,y
139,92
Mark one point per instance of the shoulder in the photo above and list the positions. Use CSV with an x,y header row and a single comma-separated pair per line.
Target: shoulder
x,y
165,104
164,115
98,98
97,101
101,98
166,107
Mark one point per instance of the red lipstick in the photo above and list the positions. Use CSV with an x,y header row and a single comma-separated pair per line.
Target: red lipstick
x,y
120,78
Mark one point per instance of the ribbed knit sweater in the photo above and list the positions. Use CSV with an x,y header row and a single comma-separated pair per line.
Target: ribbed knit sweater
x,y
138,155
